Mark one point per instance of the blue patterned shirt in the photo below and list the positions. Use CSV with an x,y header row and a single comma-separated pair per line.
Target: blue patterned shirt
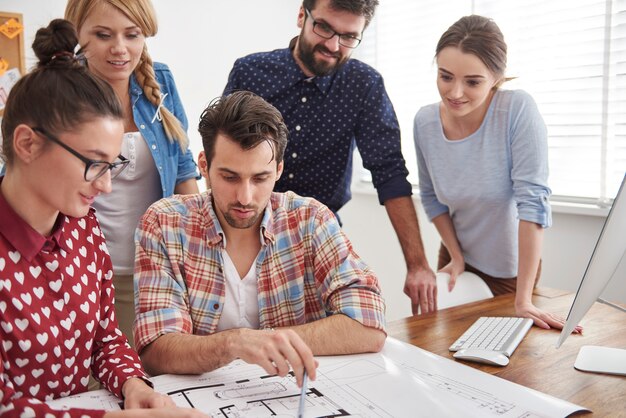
x,y
327,116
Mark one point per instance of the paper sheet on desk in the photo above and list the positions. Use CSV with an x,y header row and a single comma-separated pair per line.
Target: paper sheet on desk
x,y
401,381
96,399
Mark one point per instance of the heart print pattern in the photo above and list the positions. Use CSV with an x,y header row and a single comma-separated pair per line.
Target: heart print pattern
x,y
57,318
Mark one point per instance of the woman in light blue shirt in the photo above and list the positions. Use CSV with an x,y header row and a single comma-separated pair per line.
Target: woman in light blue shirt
x,y
113,34
483,168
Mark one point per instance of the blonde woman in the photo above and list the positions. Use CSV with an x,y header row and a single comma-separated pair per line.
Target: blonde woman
x,y
112,34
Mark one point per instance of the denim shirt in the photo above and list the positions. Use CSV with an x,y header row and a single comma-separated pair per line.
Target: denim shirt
x,y
174,165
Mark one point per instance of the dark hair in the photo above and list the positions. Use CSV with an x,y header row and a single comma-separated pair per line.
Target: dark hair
x,y
479,36
245,118
365,8
59,94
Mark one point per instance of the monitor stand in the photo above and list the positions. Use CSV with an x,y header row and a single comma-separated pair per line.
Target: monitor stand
x,y
601,360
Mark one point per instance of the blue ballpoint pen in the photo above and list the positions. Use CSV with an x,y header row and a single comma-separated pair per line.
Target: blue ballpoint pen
x,y
302,396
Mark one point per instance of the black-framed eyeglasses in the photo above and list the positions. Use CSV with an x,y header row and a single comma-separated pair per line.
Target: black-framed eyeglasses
x,y
326,32
94,169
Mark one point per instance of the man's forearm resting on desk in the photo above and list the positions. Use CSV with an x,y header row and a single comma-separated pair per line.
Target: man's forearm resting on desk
x,y
271,349
339,334
275,351
420,283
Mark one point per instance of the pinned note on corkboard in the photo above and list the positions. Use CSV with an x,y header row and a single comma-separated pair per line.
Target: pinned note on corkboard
x,y
11,51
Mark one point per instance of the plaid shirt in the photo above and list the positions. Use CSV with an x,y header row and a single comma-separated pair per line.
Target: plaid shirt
x,y
307,268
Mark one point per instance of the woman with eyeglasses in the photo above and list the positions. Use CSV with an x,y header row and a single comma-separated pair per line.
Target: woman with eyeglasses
x,y
62,132
483,167
113,35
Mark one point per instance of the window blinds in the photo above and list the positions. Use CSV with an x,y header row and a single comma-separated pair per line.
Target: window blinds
x,y
570,56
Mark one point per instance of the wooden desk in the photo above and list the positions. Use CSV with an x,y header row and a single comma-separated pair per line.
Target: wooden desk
x,y
536,363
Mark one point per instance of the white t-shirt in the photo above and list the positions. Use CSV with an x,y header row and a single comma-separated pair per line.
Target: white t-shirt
x,y
241,306
133,191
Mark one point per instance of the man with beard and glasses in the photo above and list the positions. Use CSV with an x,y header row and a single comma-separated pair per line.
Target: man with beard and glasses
x,y
332,104
240,271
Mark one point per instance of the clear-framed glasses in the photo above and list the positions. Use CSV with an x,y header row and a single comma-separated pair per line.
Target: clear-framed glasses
x,y
93,168
326,32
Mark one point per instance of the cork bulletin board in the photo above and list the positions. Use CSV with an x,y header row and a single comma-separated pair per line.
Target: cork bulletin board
x,y
12,60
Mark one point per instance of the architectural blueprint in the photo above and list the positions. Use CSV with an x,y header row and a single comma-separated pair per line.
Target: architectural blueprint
x,y
401,381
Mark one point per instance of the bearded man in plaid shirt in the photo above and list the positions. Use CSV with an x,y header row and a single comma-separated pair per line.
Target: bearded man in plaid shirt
x,y
240,271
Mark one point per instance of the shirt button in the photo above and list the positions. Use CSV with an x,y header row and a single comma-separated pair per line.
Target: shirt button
x,y
216,306
142,126
298,127
294,155
153,146
290,175
304,100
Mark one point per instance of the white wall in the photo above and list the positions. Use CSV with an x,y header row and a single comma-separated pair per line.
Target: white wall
x,y
200,40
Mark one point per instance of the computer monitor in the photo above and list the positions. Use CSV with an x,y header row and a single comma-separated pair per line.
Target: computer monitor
x,y
605,259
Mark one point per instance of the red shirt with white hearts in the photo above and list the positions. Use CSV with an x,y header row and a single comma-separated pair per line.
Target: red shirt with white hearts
x,y
56,315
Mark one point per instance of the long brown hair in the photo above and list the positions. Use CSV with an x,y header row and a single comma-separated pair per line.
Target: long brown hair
x,y
141,13
480,36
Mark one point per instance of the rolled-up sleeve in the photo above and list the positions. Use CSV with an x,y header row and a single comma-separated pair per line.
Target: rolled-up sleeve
x,y
529,172
161,303
346,284
378,139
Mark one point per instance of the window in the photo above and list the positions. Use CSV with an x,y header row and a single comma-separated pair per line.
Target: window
x,y
570,56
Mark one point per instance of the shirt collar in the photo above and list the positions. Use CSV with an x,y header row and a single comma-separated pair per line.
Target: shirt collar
x,y
23,237
267,224
135,88
215,234
322,83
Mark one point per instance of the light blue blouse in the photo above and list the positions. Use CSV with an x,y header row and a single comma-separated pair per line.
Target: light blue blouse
x,y
489,180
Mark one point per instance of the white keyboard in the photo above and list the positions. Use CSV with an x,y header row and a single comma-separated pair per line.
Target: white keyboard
x,y
500,333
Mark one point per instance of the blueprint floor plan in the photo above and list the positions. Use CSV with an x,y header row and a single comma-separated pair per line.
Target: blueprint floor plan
x,y
401,381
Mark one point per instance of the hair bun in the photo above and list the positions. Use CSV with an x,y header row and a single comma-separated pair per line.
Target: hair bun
x,y
56,43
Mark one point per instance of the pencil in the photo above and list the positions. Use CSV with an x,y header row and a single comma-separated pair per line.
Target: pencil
x,y
302,396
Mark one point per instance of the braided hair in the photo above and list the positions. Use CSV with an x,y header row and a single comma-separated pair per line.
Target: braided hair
x,y
142,13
